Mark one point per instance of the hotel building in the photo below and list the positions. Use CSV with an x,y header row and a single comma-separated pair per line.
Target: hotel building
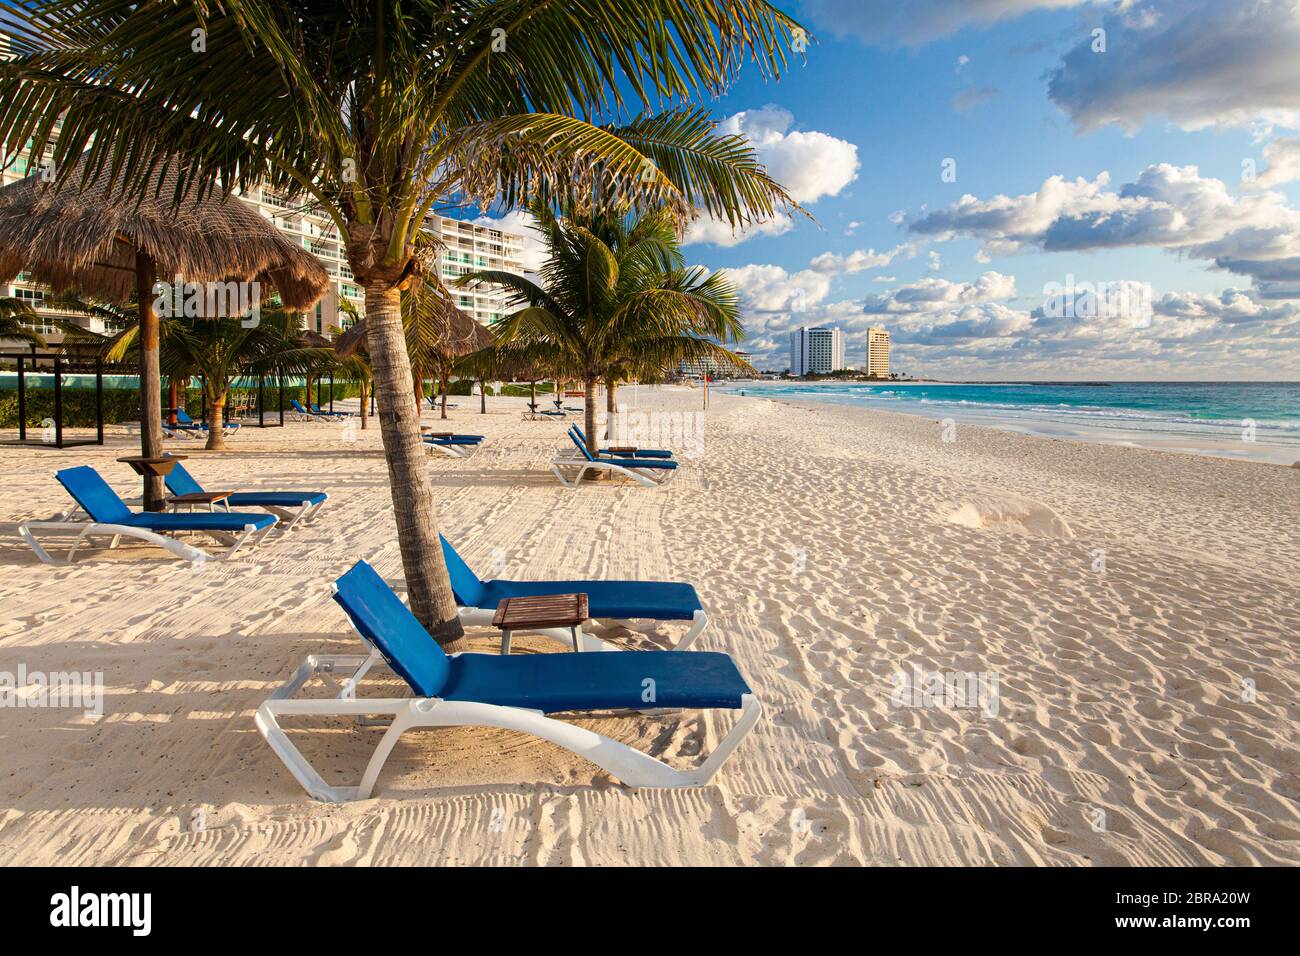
x,y
465,248
816,351
877,353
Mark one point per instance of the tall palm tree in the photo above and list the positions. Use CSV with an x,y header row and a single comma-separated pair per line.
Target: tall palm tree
x,y
376,110
14,312
616,297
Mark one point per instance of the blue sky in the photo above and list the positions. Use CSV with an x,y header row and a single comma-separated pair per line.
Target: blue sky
x,y
1125,205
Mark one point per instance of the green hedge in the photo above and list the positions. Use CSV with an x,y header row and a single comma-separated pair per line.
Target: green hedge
x,y
123,405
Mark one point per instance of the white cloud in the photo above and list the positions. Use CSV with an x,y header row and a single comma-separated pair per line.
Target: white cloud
x,y
717,232
1172,207
931,294
770,288
1200,63
859,260
809,164
1283,159
961,63
966,100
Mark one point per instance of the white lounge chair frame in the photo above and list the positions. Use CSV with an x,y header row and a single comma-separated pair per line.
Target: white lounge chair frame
x,y
306,512
455,451
86,530
642,476
633,767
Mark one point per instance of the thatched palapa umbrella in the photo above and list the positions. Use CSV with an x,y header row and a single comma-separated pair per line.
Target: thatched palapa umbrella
x,y
85,233
437,333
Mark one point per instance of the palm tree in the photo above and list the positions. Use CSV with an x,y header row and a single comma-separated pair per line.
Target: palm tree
x,y
219,350
13,313
616,297
379,109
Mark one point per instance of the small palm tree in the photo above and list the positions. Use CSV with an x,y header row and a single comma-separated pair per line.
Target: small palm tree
x,y
13,313
617,297
219,350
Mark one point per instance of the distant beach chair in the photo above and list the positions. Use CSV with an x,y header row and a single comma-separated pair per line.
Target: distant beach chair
x,y
317,410
511,692
109,516
652,472
435,403
455,446
639,453
184,420
187,491
303,415
621,602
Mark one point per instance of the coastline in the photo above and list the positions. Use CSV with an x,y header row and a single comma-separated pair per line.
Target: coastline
x,y
835,548
1030,423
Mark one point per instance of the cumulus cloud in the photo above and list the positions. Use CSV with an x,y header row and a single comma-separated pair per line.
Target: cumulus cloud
x,y
809,164
1173,207
770,288
932,294
1200,63
859,260
891,23
1283,159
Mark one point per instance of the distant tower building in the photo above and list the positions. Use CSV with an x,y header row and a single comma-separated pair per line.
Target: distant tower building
x,y
816,351
877,353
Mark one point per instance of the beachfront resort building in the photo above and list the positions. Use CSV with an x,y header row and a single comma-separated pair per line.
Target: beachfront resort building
x,y
816,351
877,353
465,248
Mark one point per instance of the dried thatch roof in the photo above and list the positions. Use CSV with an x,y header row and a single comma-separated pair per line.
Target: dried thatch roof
x,y
440,324
70,236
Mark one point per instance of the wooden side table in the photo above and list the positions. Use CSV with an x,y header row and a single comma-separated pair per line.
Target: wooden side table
x,y
209,498
539,612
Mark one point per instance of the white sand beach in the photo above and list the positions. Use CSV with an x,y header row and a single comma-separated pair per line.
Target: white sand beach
x,y
1125,601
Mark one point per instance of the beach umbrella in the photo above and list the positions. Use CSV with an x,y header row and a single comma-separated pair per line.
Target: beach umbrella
x,y
82,232
438,333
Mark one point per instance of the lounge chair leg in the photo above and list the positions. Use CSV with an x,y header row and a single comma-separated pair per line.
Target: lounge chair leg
x,y
698,623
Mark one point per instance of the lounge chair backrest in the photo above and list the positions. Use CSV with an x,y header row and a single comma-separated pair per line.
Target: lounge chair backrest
x,y
94,495
389,625
181,482
582,445
297,407
315,407
183,417
465,584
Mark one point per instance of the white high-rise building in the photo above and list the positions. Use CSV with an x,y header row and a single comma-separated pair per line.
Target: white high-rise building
x,y
466,248
816,351
877,353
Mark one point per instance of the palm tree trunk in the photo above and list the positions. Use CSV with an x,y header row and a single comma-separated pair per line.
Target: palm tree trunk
x,y
216,400
427,583
482,397
611,408
172,398
589,422
364,406
150,379
442,384
308,402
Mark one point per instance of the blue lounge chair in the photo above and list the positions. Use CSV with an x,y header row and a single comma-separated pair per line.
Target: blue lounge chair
x,y
187,491
435,403
455,446
317,410
108,515
303,415
618,601
651,472
183,419
639,453
513,693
